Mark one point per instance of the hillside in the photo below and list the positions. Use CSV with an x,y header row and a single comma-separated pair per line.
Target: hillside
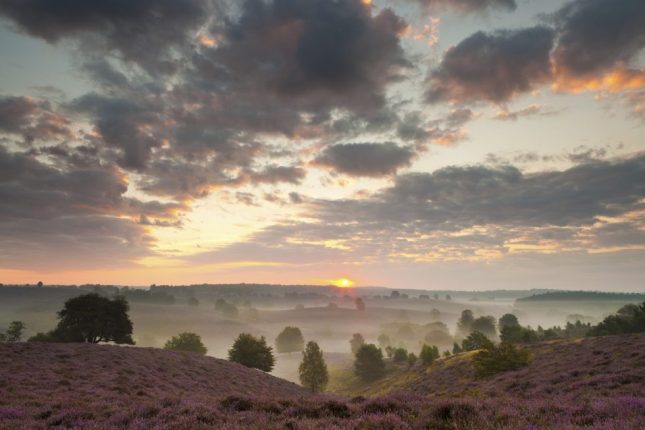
x,y
51,380
44,386
582,368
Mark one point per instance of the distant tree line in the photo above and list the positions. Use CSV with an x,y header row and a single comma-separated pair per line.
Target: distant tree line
x,y
583,296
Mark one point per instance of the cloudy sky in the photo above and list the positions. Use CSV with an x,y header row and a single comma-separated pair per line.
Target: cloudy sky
x,y
469,144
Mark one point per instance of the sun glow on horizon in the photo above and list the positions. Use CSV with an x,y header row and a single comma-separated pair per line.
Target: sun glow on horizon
x,y
343,283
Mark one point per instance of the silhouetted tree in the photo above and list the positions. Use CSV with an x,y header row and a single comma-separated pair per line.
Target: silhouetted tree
x,y
400,355
435,314
369,364
395,294
476,340
189,342
507,320
384,340
465,323
428,354
193,301
14,332
93,318
412,359
229,310
456,349
313,370
485,325
436,296
290,340
252,352
448,297
628,319
39,284
356,342
360,304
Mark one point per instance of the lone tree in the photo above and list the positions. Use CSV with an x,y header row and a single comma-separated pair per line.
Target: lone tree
x,y
384,340
486,325
356,342
369,364
189,342
290,340
252,352
92,318
400,355
14,332
228,310
412,359
360,304
465,323
313,370
507,320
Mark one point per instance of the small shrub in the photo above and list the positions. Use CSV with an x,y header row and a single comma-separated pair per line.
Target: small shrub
x,y
235,403
496,359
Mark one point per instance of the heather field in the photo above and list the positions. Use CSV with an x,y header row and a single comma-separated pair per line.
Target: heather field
x,y
106,387
587,368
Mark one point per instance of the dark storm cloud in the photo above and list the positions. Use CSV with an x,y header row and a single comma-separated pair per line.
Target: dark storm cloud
x,y
141,31
492,208
317,53
598,35
460,197
493,66
366,159
132,126
30,188
73,217
470,5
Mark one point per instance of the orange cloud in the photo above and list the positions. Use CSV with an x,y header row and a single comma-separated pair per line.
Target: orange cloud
x,y
614,81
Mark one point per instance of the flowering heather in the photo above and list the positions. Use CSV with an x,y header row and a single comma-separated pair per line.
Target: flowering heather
x,y
104,387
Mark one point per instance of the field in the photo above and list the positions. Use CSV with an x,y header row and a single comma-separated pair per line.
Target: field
x,y
106,387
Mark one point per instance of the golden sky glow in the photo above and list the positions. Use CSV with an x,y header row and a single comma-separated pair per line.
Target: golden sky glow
x,y
360,142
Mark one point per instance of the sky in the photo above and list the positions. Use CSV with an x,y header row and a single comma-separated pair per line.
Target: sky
x,y
432,144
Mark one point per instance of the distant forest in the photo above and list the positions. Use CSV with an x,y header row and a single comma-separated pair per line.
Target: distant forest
x,y
582,295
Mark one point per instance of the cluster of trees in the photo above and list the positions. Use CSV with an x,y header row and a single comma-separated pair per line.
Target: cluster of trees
x,y
290,340
412,336
628,319
468,323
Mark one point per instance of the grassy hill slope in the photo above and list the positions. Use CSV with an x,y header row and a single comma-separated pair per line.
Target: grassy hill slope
x,y
569,385
589,367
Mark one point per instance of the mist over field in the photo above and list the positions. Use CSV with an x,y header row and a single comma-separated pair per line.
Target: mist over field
x,y
328,315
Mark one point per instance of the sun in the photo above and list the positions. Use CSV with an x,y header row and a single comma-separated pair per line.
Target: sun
x,y
343,283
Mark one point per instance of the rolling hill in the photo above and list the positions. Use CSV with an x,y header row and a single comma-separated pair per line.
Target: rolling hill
x,y
591,383
580,368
